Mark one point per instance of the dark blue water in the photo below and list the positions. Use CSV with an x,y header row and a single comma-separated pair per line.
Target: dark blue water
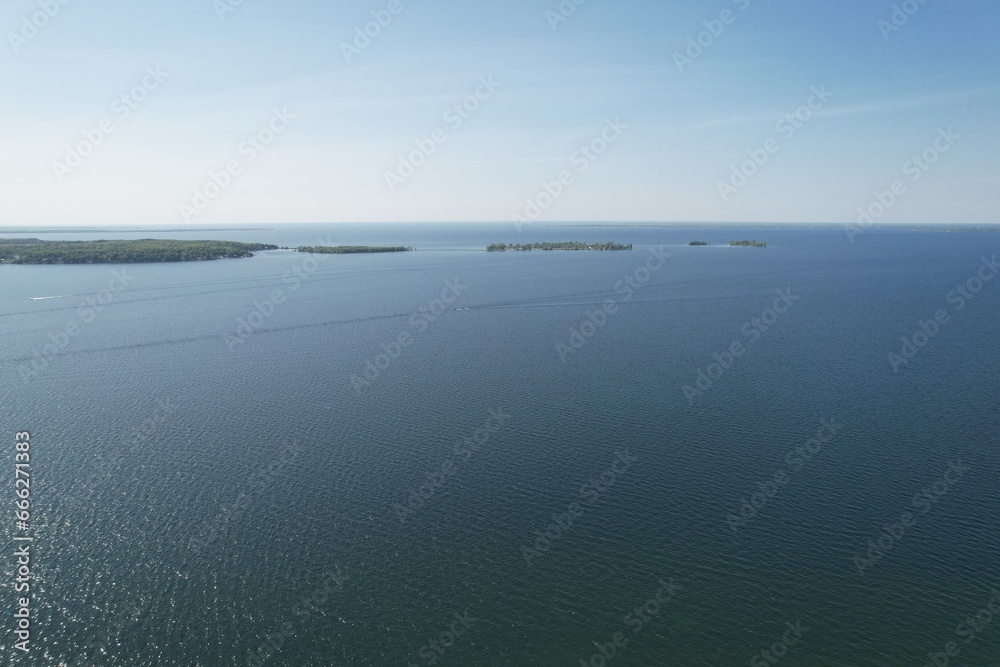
x,y
208,478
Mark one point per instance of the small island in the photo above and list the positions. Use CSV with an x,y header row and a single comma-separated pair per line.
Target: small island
x,y
567,245
351,249
749,244
36,251
698,243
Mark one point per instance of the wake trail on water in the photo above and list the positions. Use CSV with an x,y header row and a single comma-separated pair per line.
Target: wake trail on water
x,y
528,303
240,285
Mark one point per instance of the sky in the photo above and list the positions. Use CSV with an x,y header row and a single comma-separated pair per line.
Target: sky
x,y
257,111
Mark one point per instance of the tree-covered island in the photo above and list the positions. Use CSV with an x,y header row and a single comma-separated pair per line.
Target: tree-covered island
x,y
36,251
745,244
351,249
567,245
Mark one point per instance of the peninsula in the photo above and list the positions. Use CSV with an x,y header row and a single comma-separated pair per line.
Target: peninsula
x,y
567,245
749,244
36,251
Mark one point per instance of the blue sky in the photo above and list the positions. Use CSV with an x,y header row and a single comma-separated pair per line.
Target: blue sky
x,y
558,84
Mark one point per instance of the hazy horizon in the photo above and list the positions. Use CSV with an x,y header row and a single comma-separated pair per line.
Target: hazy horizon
x,y
235,226
262,226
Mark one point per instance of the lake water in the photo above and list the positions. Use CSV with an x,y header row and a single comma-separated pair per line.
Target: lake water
x,y
232,454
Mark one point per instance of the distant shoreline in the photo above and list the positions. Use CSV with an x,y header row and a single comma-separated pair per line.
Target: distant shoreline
x,y
125,230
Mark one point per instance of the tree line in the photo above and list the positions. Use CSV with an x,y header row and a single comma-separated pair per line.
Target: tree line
x,y
566,245
351,249
34,251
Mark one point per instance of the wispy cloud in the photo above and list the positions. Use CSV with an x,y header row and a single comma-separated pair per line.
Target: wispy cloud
x,y
861,109
908,104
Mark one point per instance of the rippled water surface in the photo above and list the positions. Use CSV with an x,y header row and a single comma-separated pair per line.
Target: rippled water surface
x,y
498,490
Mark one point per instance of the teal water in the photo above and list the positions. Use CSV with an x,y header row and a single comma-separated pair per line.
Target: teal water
x,y
202,485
